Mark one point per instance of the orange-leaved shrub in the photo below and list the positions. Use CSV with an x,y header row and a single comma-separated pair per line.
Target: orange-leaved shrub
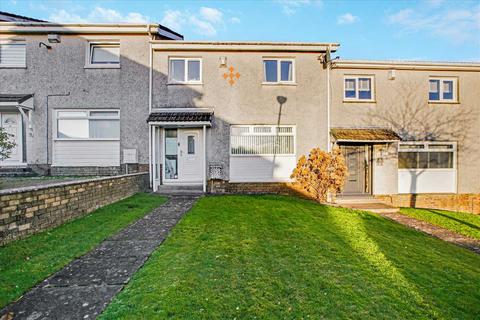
x,y
321,173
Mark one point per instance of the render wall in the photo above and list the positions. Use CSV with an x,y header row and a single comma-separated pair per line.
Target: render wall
x,y
402,104
248,101
61,70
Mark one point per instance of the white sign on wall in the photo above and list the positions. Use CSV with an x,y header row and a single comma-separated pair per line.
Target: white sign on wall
x,y
130,156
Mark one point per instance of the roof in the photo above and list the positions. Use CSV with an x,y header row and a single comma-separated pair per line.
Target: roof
x,y
10,17
364,134
407,65
252,46
179,116
18,98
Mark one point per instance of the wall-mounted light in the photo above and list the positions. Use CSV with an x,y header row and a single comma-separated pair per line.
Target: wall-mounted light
x,y
223,62
40,44
53,38
391,74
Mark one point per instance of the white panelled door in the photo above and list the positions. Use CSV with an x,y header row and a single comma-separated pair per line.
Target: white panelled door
x,y
183,156
190,157
12,124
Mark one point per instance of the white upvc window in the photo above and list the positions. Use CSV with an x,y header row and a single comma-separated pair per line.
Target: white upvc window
x,y
75,124
185,70
427,155
279,71
359,88
103,54
248,140
441,89
13,54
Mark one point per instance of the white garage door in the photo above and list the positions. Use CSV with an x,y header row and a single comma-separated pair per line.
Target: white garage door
x,y
262,153
427,167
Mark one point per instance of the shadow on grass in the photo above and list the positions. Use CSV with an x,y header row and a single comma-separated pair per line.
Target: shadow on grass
x,y
470,225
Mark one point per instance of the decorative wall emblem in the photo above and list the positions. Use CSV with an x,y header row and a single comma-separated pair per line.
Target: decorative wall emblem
x,y
231,76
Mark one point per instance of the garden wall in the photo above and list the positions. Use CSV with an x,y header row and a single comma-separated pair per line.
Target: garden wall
x,y
453,202
29,210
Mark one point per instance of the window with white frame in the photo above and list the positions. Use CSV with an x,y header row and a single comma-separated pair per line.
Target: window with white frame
x,y
359,88
88,124
278,70
103,54
13,54
427,155
185,70
262,140
442,89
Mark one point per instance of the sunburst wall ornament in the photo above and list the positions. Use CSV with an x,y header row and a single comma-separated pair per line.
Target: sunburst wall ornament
x,y
231,76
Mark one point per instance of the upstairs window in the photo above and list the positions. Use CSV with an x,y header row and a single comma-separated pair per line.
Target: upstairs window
x,y
442,90
358,88
103,54
185,70
13,54
279,71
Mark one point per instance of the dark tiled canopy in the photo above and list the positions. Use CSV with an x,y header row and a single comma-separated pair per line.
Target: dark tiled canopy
x,y
364,134
180,117
18,98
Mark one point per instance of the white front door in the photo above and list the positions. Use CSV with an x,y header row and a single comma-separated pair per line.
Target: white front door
x,y
183,156
12,124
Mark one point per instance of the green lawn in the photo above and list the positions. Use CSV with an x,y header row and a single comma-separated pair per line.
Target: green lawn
x,y
274,257
464,223
26,262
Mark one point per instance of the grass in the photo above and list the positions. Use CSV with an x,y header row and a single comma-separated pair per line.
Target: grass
x,y
464,223
24,263
274,257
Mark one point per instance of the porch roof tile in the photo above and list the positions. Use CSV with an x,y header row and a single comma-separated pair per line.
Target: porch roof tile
x,y
18,98
180,117
364,134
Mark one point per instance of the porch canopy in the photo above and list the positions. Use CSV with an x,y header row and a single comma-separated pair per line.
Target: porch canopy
x,y
181,117
22,102
364,135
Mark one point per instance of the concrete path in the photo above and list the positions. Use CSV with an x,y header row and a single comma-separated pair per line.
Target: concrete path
x,y
86,286
438,232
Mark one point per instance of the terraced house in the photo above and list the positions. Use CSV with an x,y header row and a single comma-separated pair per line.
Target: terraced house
x,y
232,116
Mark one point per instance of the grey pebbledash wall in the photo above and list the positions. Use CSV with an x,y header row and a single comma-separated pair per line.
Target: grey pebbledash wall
x,y
26,211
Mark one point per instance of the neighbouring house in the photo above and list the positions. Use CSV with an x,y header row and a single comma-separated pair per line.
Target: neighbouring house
x,y
106,99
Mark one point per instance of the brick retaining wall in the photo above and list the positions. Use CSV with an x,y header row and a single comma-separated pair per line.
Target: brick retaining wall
x,y
25,211
453,202
225,187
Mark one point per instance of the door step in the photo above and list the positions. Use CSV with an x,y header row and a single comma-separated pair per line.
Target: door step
x,y
16,171
366,203
179,190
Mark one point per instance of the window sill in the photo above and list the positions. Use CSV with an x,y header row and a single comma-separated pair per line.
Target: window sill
x,y
443,102
279,84
185,84
102,66
106,139
13,67
360,101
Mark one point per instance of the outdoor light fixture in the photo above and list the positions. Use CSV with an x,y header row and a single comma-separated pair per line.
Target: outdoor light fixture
x,y
391,74
223,62
53,38
44,44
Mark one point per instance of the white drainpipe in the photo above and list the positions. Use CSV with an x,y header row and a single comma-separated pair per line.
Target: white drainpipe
x,y
328,102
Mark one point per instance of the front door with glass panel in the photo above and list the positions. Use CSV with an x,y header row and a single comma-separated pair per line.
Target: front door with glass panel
x,y
12,124
183,156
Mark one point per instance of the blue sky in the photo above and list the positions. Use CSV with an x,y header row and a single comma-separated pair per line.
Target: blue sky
x,y
407,30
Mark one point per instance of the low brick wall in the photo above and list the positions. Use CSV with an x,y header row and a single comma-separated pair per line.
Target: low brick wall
x,y
25,211
453,202
225,187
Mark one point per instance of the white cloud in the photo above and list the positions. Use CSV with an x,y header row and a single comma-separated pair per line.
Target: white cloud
x,y
290,7
98,14
173,19
206,21
454,23
347,18
211,15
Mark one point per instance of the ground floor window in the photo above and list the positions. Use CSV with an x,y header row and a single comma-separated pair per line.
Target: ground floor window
x,y
262,153
426,155
427,167
88,124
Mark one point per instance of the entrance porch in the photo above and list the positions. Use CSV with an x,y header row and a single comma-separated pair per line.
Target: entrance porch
x,y
178,148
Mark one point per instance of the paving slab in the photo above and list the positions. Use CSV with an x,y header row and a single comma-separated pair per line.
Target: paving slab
x,y
84,287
